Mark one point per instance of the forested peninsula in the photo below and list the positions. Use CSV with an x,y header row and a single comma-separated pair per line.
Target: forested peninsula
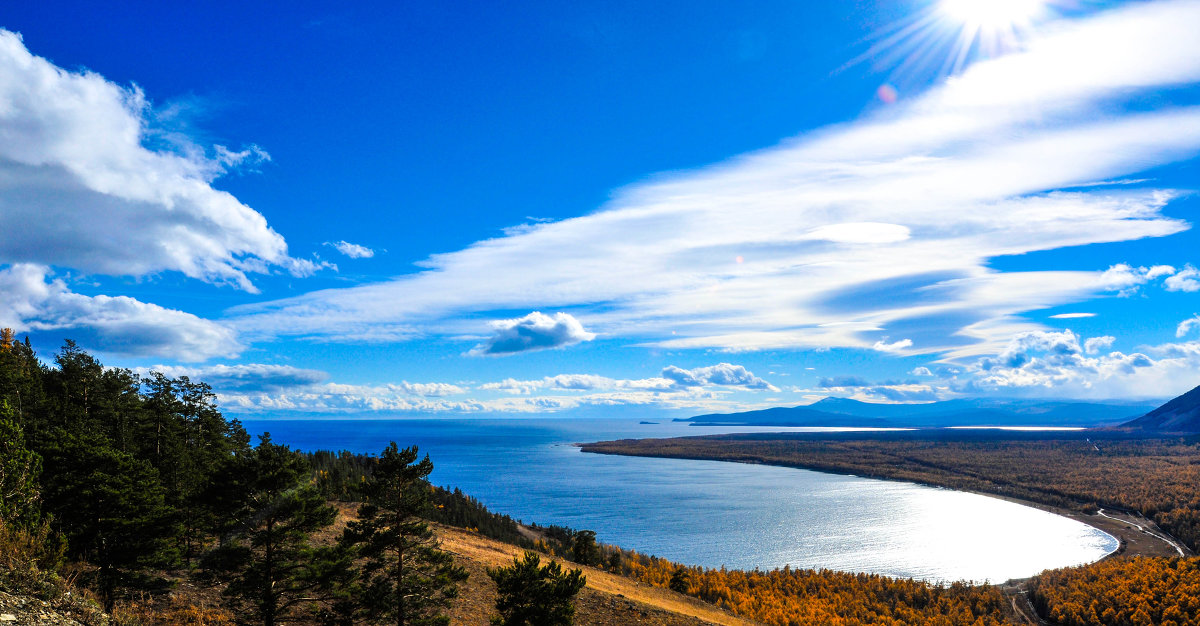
x,y
129,499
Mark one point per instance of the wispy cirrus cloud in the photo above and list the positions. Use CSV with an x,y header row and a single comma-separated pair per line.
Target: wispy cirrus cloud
x,y
850,234
352,250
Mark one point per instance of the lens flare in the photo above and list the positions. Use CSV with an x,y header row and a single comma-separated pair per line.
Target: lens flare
x,y
992,13
947,35
994,26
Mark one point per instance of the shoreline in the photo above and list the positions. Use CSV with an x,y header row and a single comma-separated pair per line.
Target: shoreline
x,y
1132,539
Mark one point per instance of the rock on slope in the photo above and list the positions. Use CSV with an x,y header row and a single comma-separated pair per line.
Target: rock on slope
x,y
22,610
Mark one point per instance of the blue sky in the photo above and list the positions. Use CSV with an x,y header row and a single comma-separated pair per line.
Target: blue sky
x,y
445,209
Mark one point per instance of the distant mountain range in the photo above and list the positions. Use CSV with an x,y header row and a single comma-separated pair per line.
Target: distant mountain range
x,y
1181,415
965,412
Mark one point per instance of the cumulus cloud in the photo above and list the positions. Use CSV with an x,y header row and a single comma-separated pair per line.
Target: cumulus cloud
x,y
724,374
535,331
80,188
880,227
1098,344
32,300
351,250
1187,279
1187,325
896,346
427,390
1053,363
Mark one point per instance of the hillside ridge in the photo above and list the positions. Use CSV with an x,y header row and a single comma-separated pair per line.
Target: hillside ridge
x,y
1180,415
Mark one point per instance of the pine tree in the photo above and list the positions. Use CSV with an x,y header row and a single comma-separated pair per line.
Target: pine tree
x,y
407,580
584,549
110,506
530,594
19,471
265,555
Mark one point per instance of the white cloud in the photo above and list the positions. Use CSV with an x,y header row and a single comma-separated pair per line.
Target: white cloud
x,y
1095,345
332,398
427,390
427,398
895,347
672,380
881,227
719,387
1187,325
1052,363
576,382
535,331
843,381
79,187
725,374
1071,316
887,392
1186,279
1158,271
351,250
34,301
245,377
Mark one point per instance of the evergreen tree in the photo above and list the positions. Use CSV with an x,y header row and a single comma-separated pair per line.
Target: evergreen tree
x,y
21,375
679,580
109,505
19,471
530,594
584,549
407,580
266,555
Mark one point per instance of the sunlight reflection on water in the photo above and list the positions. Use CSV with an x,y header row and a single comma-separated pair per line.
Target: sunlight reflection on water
x,y
712,513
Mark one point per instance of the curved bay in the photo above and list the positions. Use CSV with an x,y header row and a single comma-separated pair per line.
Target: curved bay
x,y
713,513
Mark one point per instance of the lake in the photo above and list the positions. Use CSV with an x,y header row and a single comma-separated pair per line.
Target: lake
x,y
714,513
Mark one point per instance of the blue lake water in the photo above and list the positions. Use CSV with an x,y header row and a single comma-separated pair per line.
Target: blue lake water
x,y
713,513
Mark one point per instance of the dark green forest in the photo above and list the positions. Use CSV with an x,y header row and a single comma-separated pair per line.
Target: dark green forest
x,y
124,484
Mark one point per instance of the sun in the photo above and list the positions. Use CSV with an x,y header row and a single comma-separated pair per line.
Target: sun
x,y
992,14
993,26
943,37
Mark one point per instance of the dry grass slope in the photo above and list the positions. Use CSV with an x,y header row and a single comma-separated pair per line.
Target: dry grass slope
x,y
608,599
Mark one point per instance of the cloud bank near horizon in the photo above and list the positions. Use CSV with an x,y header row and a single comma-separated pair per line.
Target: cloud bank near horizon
x,y
874,234
257,388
